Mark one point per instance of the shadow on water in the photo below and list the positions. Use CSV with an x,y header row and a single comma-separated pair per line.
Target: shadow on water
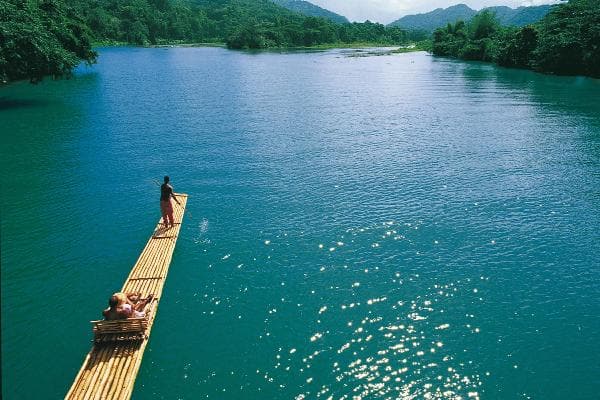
x,y
571,103
41,147
7,103
573,95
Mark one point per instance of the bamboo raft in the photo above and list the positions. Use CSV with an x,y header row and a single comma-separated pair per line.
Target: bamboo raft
x,y
111,366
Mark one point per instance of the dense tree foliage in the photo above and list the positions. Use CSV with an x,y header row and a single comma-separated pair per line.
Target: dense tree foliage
x,y
307,8
143,21
566,41
239,23
516,47
569,39
40,38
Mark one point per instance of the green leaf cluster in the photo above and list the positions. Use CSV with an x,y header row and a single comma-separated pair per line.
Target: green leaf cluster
x,y
474,40
566,41
143,22
40,38
569,40
306,8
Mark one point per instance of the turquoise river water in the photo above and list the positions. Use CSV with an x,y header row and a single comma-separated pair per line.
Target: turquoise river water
x,y
394,227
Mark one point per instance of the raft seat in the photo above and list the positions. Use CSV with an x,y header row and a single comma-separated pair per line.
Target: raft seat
x,y
123,329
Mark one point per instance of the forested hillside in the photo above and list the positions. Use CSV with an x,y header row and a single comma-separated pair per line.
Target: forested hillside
x,y
238,23
566,41
520,16
435,19
440,17
306,8
262,24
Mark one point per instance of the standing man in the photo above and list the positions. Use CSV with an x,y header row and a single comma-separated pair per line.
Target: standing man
x,y
166,208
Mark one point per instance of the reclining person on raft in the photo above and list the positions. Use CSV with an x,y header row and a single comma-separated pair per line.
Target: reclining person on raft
x,y
126,305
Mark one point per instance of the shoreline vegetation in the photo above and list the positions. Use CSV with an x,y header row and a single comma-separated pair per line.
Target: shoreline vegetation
x,y
407,48
51,37
364,48
565,42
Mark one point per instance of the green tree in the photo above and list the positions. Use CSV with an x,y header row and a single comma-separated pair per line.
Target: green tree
x,y
569,39
41,38
450,41
483,25
249,36
516,47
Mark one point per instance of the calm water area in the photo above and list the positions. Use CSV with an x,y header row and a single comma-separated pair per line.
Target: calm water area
x,y
399,226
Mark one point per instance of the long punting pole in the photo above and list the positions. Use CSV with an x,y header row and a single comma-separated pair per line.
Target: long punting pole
x,y
110,368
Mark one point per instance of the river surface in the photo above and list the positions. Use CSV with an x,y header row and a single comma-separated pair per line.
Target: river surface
x,y
359,227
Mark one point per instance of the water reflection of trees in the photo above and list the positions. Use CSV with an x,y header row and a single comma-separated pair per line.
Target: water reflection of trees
x,y
564,94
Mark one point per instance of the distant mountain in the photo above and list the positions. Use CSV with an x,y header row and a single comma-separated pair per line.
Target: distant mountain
x,y
521,16
306,8
441,17
436,18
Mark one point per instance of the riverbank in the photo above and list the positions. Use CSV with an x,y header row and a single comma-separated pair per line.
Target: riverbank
x,y
160,44
541,47
417,46
407,48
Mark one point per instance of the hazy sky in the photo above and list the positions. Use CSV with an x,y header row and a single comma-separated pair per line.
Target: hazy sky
x,y
386,11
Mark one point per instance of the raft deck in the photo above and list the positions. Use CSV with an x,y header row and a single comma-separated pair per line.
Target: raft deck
x,y
110,368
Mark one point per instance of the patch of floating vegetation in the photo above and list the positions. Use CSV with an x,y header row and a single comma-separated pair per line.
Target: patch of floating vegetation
x,y
379,51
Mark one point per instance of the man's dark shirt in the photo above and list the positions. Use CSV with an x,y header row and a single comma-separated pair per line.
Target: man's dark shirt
x,y
166,191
